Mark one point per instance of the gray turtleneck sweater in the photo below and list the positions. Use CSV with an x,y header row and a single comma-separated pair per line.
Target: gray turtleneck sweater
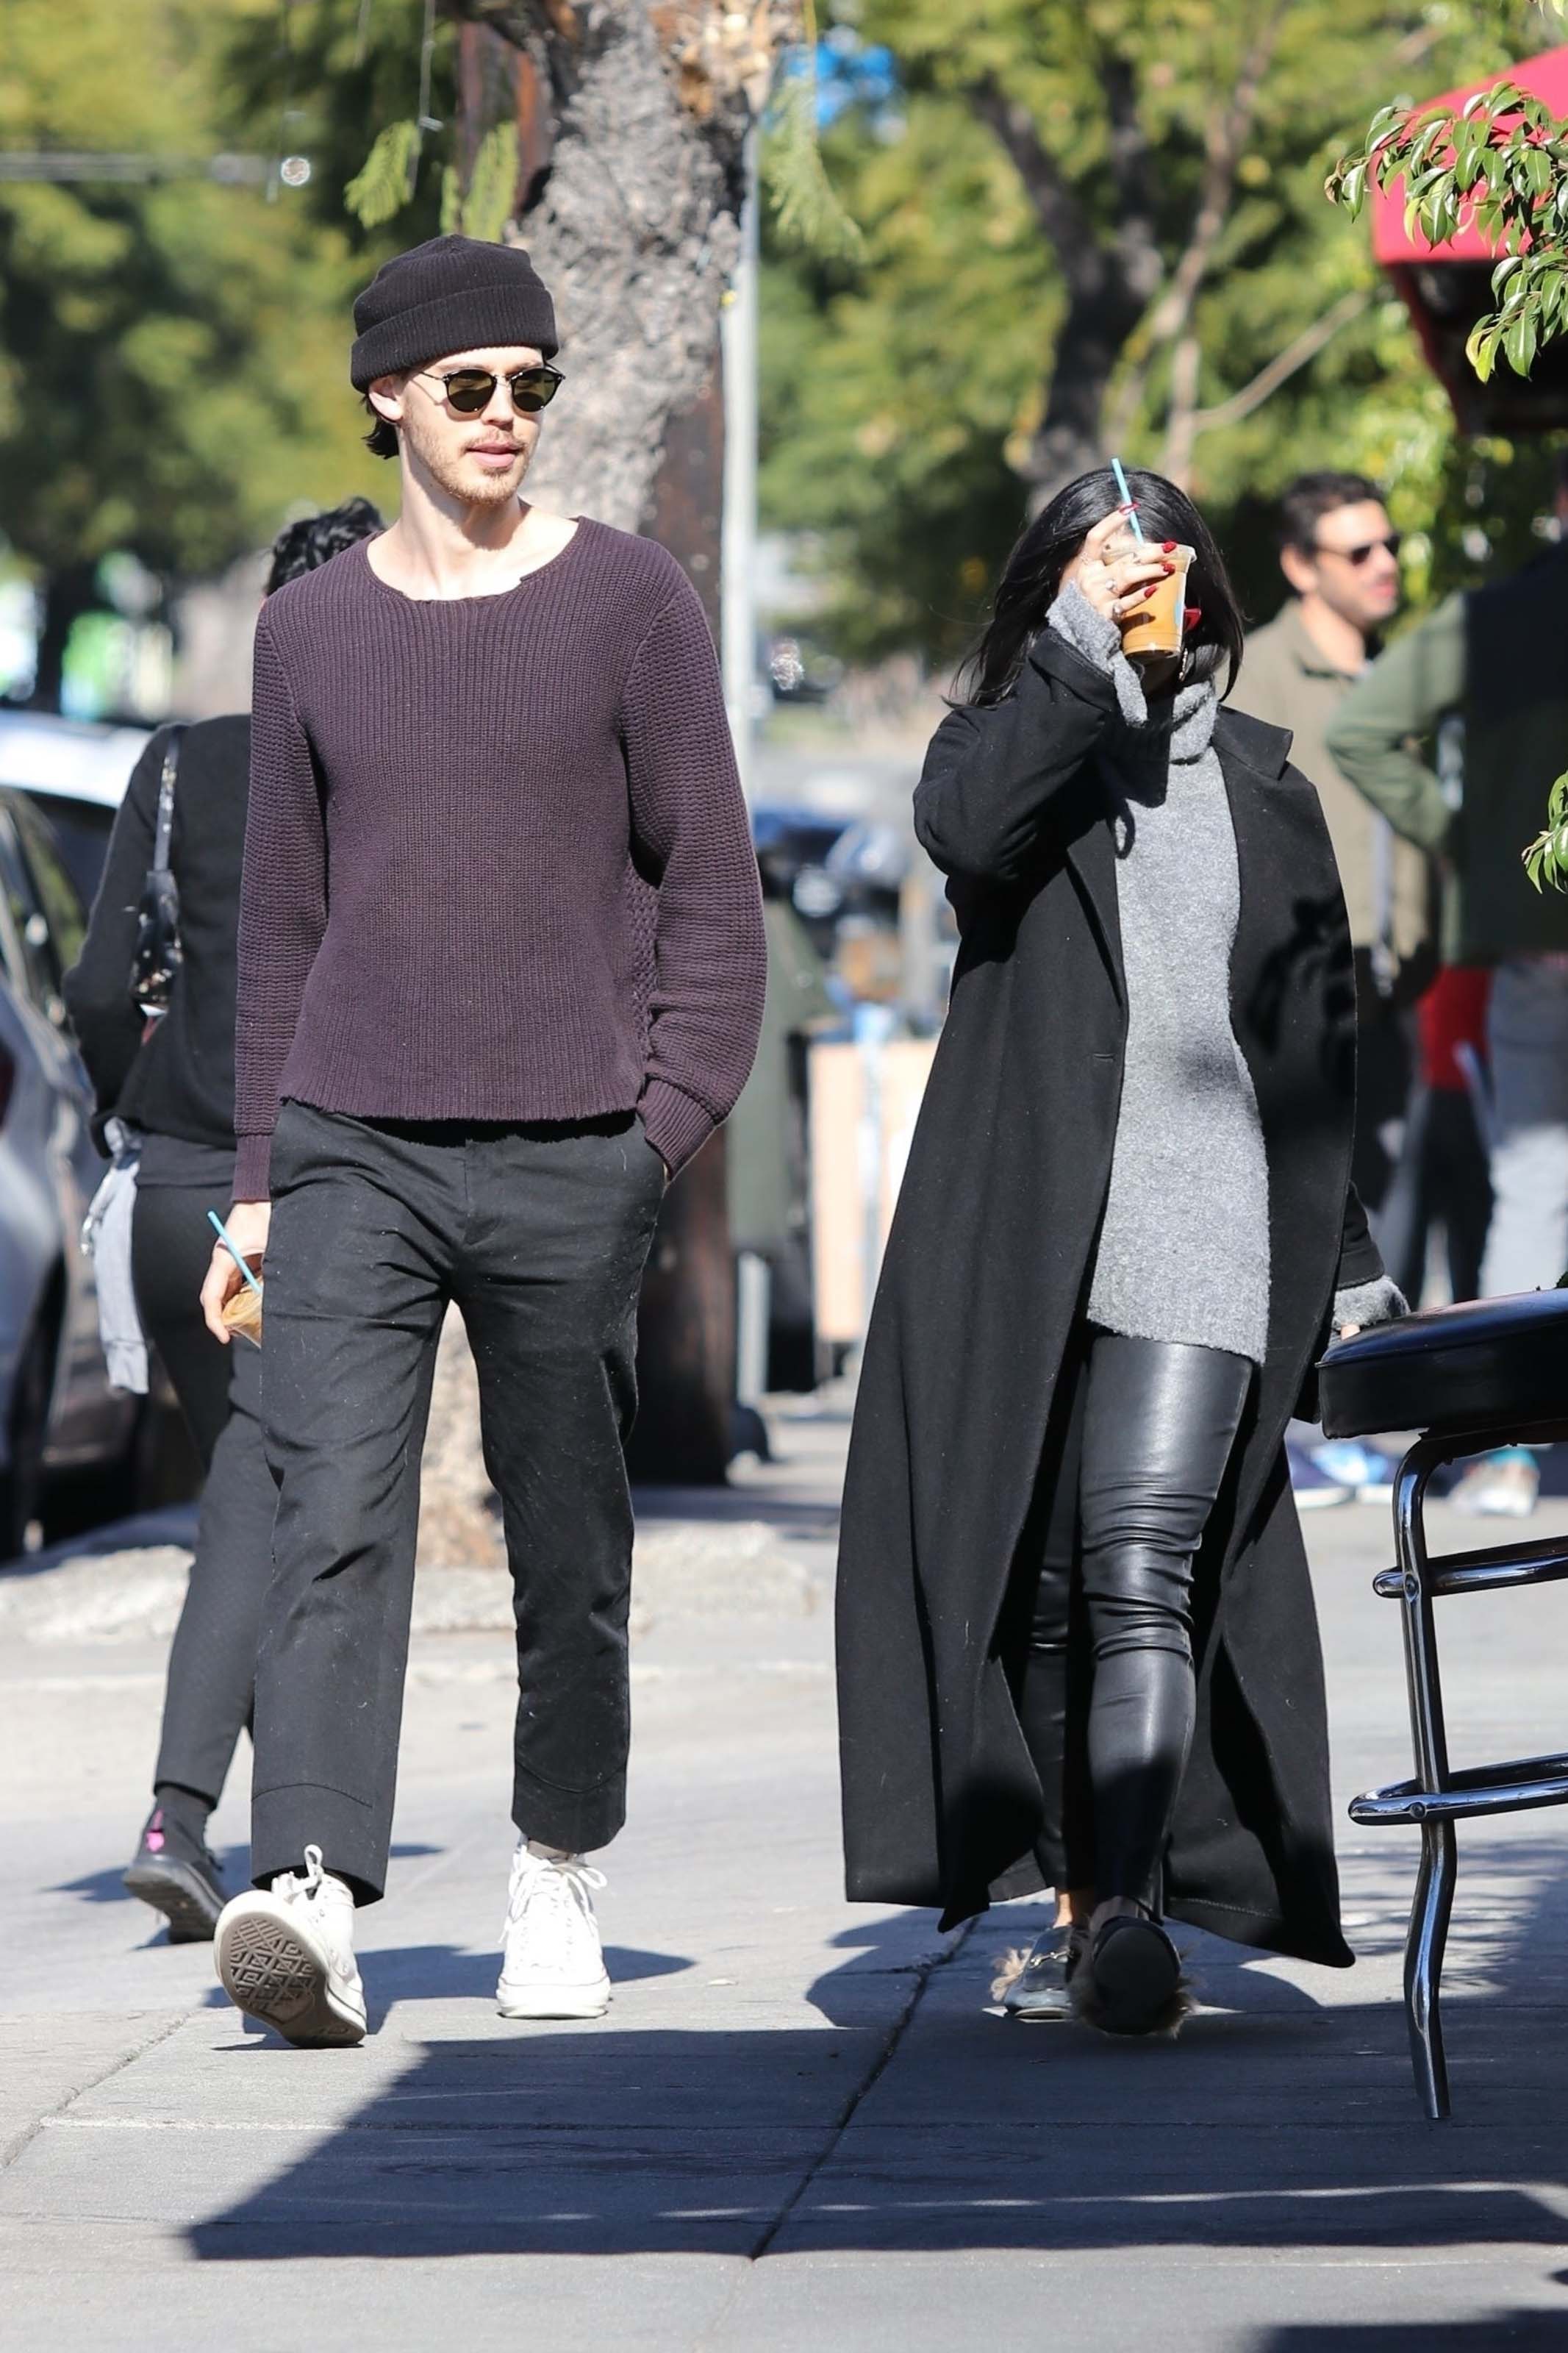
x,y
1184,1247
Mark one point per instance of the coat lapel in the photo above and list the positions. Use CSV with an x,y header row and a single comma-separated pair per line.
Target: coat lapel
x,y
1091,855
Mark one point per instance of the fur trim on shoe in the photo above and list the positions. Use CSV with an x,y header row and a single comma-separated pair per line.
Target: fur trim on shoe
x,y
1009,1967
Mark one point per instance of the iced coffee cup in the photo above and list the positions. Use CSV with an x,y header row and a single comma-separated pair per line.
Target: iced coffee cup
x,y
1155,627
242,1314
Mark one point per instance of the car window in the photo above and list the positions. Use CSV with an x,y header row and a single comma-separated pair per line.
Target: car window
x,y
60,899
30,943
80,831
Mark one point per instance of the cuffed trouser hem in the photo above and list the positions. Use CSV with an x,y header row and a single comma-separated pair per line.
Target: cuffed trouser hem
x,y
577,1821
353,1842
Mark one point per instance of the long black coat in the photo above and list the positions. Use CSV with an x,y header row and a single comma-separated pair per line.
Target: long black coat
x,y
985,1275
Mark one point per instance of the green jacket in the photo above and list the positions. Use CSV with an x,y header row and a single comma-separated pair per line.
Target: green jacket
x,y
1496,656
1287,682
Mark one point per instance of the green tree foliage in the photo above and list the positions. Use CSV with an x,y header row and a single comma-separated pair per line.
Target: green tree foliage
x,y
1499,163
904,395
171,349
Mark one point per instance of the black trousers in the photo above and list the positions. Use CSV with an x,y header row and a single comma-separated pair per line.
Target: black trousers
x,y
212,1662
1444,1175
1107,1699
539,1234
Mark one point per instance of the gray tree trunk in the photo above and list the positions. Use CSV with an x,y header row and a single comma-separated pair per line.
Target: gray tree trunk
x,y
634,221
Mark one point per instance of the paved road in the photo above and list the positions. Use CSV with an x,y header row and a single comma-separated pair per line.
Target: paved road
x,y
800,2127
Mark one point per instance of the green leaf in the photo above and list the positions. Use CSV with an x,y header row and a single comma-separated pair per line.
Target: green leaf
x,y
385,182
807,212
492,200
1518,343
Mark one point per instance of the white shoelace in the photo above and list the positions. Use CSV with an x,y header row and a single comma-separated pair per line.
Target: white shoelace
x,y
563,1887
329,1903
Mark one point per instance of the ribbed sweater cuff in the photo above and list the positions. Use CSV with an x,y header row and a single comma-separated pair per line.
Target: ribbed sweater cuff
x,y
250,1169
674,1125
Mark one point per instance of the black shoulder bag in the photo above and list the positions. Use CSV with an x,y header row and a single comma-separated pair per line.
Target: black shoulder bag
x,y
158,953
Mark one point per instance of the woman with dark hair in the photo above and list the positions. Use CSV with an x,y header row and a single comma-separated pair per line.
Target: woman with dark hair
x,y
174,1082
1076,1638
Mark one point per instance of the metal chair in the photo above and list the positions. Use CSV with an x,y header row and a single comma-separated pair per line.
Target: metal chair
x,y
1494,1373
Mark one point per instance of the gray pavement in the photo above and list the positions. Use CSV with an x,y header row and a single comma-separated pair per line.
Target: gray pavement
x,y
801,2126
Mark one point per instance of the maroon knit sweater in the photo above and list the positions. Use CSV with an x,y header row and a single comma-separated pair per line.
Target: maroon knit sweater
x,y
497,864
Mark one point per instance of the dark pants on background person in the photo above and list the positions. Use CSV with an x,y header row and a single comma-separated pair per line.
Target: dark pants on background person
x,y
1443,1178
539,1234
1385,1073
212,1663
1137,1460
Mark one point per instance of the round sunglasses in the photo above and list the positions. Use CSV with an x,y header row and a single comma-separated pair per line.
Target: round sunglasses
x,y
470,390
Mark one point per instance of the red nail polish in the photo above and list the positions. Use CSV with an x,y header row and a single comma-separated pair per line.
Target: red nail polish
x,y
1167,547
1190,616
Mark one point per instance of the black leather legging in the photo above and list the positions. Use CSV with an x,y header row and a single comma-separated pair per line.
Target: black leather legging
x,y
1107,1699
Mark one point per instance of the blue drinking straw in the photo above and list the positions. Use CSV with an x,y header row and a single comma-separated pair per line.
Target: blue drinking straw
x,y
216,1223
1128,499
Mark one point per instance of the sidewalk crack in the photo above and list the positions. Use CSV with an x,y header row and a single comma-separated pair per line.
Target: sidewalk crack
x,y
884,2059
169,2024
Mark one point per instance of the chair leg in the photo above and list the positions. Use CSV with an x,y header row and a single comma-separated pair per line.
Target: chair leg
x,y
1429,1912
1434,1895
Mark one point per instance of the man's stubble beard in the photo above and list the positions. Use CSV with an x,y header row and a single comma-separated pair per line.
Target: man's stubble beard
x,y
450,473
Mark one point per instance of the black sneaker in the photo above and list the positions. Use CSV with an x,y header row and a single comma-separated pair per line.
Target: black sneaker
x,y
1040,1990
178,1878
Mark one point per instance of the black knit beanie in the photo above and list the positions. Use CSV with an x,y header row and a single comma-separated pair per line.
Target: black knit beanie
x,y
453,294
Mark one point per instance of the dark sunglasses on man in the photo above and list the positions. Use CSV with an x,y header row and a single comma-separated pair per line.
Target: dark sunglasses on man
x,y
1393,541
470,390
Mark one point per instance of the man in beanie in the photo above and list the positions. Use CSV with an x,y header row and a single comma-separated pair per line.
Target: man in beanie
x,y
501,976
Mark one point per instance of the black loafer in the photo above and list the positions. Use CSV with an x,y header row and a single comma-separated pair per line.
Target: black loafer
x,y
1041,1990
1133,1982
187,1889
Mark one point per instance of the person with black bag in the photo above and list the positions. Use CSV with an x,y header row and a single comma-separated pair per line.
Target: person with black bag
x,y
153,1002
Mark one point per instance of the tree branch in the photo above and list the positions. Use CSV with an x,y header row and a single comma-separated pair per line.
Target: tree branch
x,y
1225,137
1284,364
1132,178
1067,226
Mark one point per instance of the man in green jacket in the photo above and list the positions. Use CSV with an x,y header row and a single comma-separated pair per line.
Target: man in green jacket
x,y
1496,659
1339,554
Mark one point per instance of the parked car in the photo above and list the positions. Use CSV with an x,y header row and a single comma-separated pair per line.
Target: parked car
x,y
66,1438
75,771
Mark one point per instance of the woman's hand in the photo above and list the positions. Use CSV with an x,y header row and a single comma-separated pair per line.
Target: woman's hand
x,y
248,1223
1116,585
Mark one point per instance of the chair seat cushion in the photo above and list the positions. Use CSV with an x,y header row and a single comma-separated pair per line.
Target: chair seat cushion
x,y
1489,1365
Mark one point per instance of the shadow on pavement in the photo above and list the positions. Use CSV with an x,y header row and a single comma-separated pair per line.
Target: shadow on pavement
x,y
108,1886
1535,2331
1275,2122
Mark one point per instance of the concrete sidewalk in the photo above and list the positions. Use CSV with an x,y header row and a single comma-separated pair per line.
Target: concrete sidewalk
x,y
800,2127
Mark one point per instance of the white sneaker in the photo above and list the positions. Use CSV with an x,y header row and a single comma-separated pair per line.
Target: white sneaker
x,y
554,1965
286,1956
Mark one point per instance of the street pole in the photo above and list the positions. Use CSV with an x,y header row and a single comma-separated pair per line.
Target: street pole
x,y
738,552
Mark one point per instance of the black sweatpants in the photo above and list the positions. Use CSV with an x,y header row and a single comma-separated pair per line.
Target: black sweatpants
x,y
539,1234
1108,1695
212,1663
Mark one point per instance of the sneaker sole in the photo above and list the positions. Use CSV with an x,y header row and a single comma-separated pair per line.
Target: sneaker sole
x,y
555,2002
181,1894
269,1975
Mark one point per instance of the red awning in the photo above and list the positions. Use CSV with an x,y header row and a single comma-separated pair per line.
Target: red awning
x,y
1546,78
1446,288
